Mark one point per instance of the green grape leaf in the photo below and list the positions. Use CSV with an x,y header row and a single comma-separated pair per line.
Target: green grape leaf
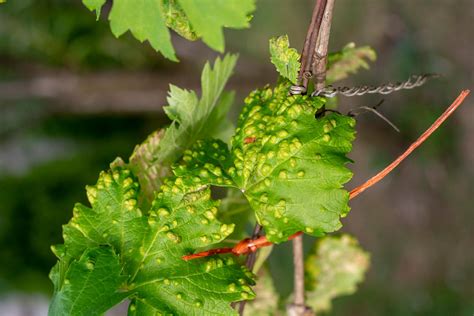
x,y
348,61
149,20
334,268
293,171
289,165
91,284
285,59
192,119
149,249
208,161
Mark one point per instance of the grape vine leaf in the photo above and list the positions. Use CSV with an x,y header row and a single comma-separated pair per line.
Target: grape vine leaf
x,y
334,268
285,59
150,19
114,249
192,119
348,61
289,165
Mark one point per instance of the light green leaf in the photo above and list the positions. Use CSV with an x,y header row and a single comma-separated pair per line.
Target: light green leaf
x,y
285,59
91,284
149,249
335,267
149,20
348,61
289,165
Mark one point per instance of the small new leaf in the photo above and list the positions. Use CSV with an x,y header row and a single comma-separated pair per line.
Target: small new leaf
x,y
143,252
285,59
348,61
196,118
335,267
149,20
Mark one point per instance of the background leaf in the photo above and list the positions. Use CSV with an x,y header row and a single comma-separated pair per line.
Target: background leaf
x,y
348,61
335,267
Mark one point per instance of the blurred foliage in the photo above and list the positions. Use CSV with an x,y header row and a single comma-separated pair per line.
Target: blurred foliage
x,y
63,32
35,205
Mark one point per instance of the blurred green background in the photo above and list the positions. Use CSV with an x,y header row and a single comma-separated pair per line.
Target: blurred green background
x,y
72,98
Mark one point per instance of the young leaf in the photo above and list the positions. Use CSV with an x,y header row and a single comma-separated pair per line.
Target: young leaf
x,y
288,164
150,19
335,267
348,61
285,59
149,250
192,119
195,119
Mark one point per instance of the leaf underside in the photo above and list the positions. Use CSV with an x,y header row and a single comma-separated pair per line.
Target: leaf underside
x,y
285,59
149,20
113,251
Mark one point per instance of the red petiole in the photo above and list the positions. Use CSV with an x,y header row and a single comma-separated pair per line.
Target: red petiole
x,y
249,245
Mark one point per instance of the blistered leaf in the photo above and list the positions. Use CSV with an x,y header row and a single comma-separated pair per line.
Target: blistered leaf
x,y
149,20
149,249
289,165
335,267
285,59
348,61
